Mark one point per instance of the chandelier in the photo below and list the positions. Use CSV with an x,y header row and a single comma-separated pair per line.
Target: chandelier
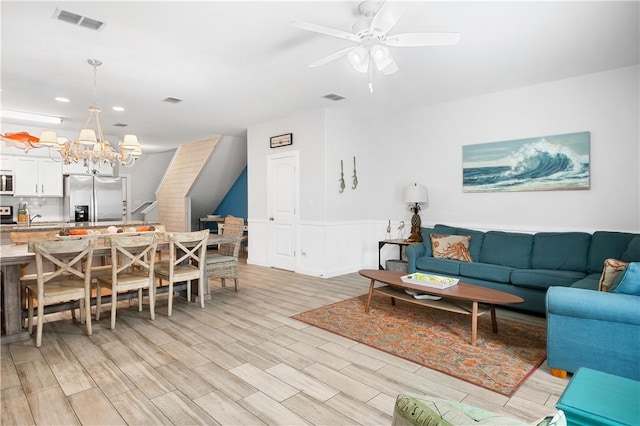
x,y
91,147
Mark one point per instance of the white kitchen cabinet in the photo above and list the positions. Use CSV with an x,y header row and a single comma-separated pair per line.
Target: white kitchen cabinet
x,y
38,177
7,163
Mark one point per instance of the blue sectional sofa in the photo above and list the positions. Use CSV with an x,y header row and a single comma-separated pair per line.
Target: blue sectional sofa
x,y
594,329
527,264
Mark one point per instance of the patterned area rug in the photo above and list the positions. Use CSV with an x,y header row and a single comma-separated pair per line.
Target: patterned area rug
x,y
439,340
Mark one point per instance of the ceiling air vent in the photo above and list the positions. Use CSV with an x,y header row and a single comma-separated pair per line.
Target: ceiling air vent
x,y
120,125
79,20
172,100
333,97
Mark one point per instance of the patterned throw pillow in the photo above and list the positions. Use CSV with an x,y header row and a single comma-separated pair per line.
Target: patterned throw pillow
x,y
451,247
612,267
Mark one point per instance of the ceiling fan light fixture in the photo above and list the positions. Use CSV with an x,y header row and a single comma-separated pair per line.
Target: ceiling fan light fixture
x,y
359,58
379,52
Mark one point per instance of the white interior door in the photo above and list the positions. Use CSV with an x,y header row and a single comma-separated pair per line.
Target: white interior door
x,y
282,208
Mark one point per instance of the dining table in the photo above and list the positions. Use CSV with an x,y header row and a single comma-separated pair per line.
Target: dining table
x,y
13,257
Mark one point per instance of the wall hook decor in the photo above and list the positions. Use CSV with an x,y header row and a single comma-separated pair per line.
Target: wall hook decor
x,y
355,177
341,180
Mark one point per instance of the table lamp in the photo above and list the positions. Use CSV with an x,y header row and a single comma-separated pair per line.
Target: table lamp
x,y
415,195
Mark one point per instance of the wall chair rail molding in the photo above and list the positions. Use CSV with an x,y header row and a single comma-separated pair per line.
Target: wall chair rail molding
x,y
545,163
281,140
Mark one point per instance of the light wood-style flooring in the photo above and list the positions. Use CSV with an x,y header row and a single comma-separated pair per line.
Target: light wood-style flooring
x,y
239,361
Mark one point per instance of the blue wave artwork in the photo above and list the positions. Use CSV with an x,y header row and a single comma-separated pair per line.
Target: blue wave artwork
x,y
558,162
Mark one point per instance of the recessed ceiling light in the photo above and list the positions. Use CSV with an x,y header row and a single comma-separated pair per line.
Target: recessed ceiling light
x,y
61,99
118,108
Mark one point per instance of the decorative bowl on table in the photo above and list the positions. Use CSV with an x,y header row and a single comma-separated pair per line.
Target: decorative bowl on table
x,y
429,280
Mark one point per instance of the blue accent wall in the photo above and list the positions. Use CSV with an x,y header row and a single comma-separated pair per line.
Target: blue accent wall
x,y
235,203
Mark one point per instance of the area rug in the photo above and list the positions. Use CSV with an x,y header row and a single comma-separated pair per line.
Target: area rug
x,y
439,340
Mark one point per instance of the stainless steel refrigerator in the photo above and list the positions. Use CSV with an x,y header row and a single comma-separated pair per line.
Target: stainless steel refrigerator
x,y
93,198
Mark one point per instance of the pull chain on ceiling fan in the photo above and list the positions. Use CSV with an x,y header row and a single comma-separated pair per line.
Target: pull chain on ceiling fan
x,y
371,33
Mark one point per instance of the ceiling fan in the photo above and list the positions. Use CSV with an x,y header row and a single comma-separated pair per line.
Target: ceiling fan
x,y
371,34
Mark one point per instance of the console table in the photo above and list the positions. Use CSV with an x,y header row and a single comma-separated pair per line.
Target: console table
x,y
401,243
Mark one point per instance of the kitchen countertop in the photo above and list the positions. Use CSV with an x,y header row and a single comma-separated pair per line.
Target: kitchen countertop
x,y
51,226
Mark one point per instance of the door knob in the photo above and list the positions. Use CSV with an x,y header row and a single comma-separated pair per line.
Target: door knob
x,y
271,218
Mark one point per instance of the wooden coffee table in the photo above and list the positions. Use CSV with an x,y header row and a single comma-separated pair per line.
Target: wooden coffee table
x,y
461,298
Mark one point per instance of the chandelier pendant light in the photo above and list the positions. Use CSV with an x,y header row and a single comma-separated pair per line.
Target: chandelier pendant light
x,y
91,147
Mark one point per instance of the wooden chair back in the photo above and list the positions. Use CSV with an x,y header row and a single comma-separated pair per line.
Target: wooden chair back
x,y
188,249
68,257
136,254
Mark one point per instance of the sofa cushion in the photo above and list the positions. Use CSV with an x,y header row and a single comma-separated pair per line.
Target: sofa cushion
x,y
451,247
441,266
476,241
632,253
566,251
590,282
444,229
507,249
544,278
486,271
630,281
607,244
425,232
610,270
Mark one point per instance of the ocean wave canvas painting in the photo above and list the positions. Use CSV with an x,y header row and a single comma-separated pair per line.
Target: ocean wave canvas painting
x,y
558,162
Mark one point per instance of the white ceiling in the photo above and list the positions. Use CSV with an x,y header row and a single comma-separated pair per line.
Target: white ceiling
x,y
238,63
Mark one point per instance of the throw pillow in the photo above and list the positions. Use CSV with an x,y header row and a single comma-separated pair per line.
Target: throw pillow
x,y
630,282
454,247
612,267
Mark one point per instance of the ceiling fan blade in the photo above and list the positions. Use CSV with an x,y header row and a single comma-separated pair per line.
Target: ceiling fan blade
x,y
321,29
387,17
422,39
332,57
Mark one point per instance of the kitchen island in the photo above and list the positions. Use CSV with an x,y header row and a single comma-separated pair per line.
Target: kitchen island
x,y
22,233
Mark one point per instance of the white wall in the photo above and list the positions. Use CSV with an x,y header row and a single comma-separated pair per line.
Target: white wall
x,y
425,146
146,175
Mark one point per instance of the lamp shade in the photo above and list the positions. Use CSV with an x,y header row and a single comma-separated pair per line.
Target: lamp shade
x,y
416,194
87,137
48,138
130,143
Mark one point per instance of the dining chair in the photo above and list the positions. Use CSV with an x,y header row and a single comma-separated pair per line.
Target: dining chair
x,y
224,264
134,270
69,282
187,262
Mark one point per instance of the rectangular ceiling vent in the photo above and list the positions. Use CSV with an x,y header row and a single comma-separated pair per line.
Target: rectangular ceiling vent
x,y
333,97
172,100
79,20
120,125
